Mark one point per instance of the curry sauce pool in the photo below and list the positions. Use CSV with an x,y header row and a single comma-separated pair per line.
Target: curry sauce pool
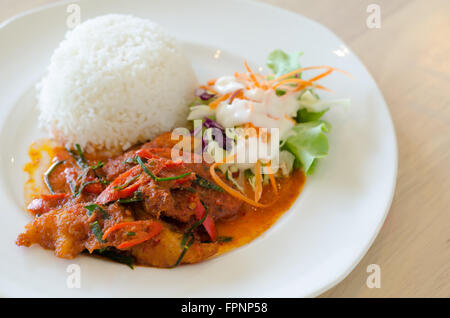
x,y
252,222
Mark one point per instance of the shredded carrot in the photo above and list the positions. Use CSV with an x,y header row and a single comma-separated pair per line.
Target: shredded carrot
x,y
251,130
302,86
264,135
249,125
272,179
211,82
326,73
297,71
207,88
293,81
260,77
215,103
287,75
302,83
252,76
290,119
237,94
258,181
232,191
242,77
262,80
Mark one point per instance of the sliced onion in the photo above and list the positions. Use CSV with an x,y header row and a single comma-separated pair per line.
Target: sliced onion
x,y
203,94
200,112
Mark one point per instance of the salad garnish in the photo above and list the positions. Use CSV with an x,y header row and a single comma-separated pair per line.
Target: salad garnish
x,y
250,100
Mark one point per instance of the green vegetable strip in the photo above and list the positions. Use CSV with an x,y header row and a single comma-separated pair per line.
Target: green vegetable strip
x,y
175,177
185,249
192,228
188,237
127,183
83,174
73,188
74,155
130,161
116,256
280,92
92,207
81,155
229,176
82,163
47,175
135,198
103,181
80,160
224,239
248,173
95,227
144,168
205,183
80,190
98,165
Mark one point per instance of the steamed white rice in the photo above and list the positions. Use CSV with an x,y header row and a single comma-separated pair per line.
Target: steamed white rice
x,y
114,81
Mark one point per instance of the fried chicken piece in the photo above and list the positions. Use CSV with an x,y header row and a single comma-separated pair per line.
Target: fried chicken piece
x,y
165,249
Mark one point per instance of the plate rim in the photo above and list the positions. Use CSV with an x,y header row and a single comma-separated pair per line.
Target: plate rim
x,y
382,102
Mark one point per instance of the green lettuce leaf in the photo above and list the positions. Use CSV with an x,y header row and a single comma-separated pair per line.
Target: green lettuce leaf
x,y
281,63
308,143
303,115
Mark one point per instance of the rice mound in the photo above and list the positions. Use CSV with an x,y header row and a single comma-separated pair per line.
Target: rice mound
x,y
114,81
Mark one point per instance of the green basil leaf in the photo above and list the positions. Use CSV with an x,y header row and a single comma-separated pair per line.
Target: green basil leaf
x,y
205,183
92,207
95,227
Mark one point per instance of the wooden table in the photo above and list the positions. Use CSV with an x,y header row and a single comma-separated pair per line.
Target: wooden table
x,y
409,57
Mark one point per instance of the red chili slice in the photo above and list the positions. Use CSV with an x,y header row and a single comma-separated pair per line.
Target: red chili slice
x,y
111,194
208,223
155,228
95,188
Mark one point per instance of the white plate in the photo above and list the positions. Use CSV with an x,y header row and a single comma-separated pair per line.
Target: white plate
x,y
310,249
